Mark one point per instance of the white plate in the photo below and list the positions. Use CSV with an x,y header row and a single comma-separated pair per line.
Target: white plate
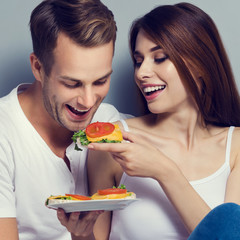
x,y
81,206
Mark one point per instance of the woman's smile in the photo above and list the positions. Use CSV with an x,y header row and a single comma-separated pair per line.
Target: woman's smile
x,y
152,91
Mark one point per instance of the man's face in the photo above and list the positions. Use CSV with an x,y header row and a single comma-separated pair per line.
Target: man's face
x,y
78,82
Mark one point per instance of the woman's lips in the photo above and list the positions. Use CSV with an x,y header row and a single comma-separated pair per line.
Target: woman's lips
x,y
152,91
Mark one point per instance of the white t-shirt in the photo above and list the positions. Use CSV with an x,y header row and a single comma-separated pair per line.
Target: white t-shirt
x,y
30,172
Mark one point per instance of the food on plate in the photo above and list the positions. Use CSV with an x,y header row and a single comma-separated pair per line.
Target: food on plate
x,y
101,132
109,199
102,194
114,193
66,198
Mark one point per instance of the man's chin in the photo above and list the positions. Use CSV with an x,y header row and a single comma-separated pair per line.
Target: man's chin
x,y
74,127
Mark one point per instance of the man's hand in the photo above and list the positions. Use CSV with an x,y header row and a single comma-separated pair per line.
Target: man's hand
x,y
79,224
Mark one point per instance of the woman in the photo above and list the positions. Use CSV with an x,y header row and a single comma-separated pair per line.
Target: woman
x,y
183,158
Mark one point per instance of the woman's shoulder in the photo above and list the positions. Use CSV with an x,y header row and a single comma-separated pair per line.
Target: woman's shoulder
x,y
236,133
235,150
235,146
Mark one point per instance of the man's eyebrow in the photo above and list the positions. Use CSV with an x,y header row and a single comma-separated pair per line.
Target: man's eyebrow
x,y
79,80
105,76
151,50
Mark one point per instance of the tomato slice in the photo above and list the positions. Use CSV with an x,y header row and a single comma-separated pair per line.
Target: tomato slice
x,y
111,191
80,197
99,129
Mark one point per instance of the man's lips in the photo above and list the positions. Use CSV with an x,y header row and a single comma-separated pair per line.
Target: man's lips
x,y
77,111
77,114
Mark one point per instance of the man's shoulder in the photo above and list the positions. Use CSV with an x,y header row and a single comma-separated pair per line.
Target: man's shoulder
x,y
9,113
6,110
107,106
108,113
9,100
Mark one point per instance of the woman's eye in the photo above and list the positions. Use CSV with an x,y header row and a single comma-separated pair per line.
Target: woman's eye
x,y
160,60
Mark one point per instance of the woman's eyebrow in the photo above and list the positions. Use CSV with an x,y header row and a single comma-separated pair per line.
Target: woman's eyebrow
x,y
155,48
151,50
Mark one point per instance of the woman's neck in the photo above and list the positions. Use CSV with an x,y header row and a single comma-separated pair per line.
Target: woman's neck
x,y
185,126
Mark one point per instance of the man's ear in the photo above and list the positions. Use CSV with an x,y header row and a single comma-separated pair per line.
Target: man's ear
x,y
37,67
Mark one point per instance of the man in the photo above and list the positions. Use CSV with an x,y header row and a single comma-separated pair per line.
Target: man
x,y
73,43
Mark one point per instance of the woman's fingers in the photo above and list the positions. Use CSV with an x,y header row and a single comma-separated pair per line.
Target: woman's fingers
x,y
108,147
118,147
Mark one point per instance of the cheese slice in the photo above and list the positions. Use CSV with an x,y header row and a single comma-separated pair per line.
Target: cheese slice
x,y
127,195
115,135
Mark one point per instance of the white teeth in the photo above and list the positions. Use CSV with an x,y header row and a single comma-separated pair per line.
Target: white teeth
x,y
151,89
80,110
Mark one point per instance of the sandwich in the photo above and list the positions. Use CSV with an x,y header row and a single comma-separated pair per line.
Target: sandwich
x,y
66,198
113,193
101,132
102,194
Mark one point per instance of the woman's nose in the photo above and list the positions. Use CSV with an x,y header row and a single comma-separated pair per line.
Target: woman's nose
x,y
144,71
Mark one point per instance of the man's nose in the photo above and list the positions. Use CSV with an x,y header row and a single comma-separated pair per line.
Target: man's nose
x,y
86,97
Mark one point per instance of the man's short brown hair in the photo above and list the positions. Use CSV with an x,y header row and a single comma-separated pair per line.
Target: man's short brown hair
x,y
89,23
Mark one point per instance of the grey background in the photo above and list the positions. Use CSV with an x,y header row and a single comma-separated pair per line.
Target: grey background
x,y
15,43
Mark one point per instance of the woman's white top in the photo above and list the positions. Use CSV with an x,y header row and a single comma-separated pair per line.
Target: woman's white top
x,y
154,217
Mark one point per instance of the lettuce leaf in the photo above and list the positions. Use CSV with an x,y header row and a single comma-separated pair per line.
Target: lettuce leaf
x,y
81,135
122,186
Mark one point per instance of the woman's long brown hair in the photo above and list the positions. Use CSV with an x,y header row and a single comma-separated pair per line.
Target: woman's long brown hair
x,y
191,40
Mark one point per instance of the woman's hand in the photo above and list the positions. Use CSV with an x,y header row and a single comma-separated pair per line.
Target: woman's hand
x,y
141,157
79,223
137,156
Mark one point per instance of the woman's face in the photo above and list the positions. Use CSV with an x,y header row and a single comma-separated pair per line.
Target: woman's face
x,y
157,77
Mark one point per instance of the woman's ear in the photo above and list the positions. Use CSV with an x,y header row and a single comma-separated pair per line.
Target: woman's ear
x,y
37,67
